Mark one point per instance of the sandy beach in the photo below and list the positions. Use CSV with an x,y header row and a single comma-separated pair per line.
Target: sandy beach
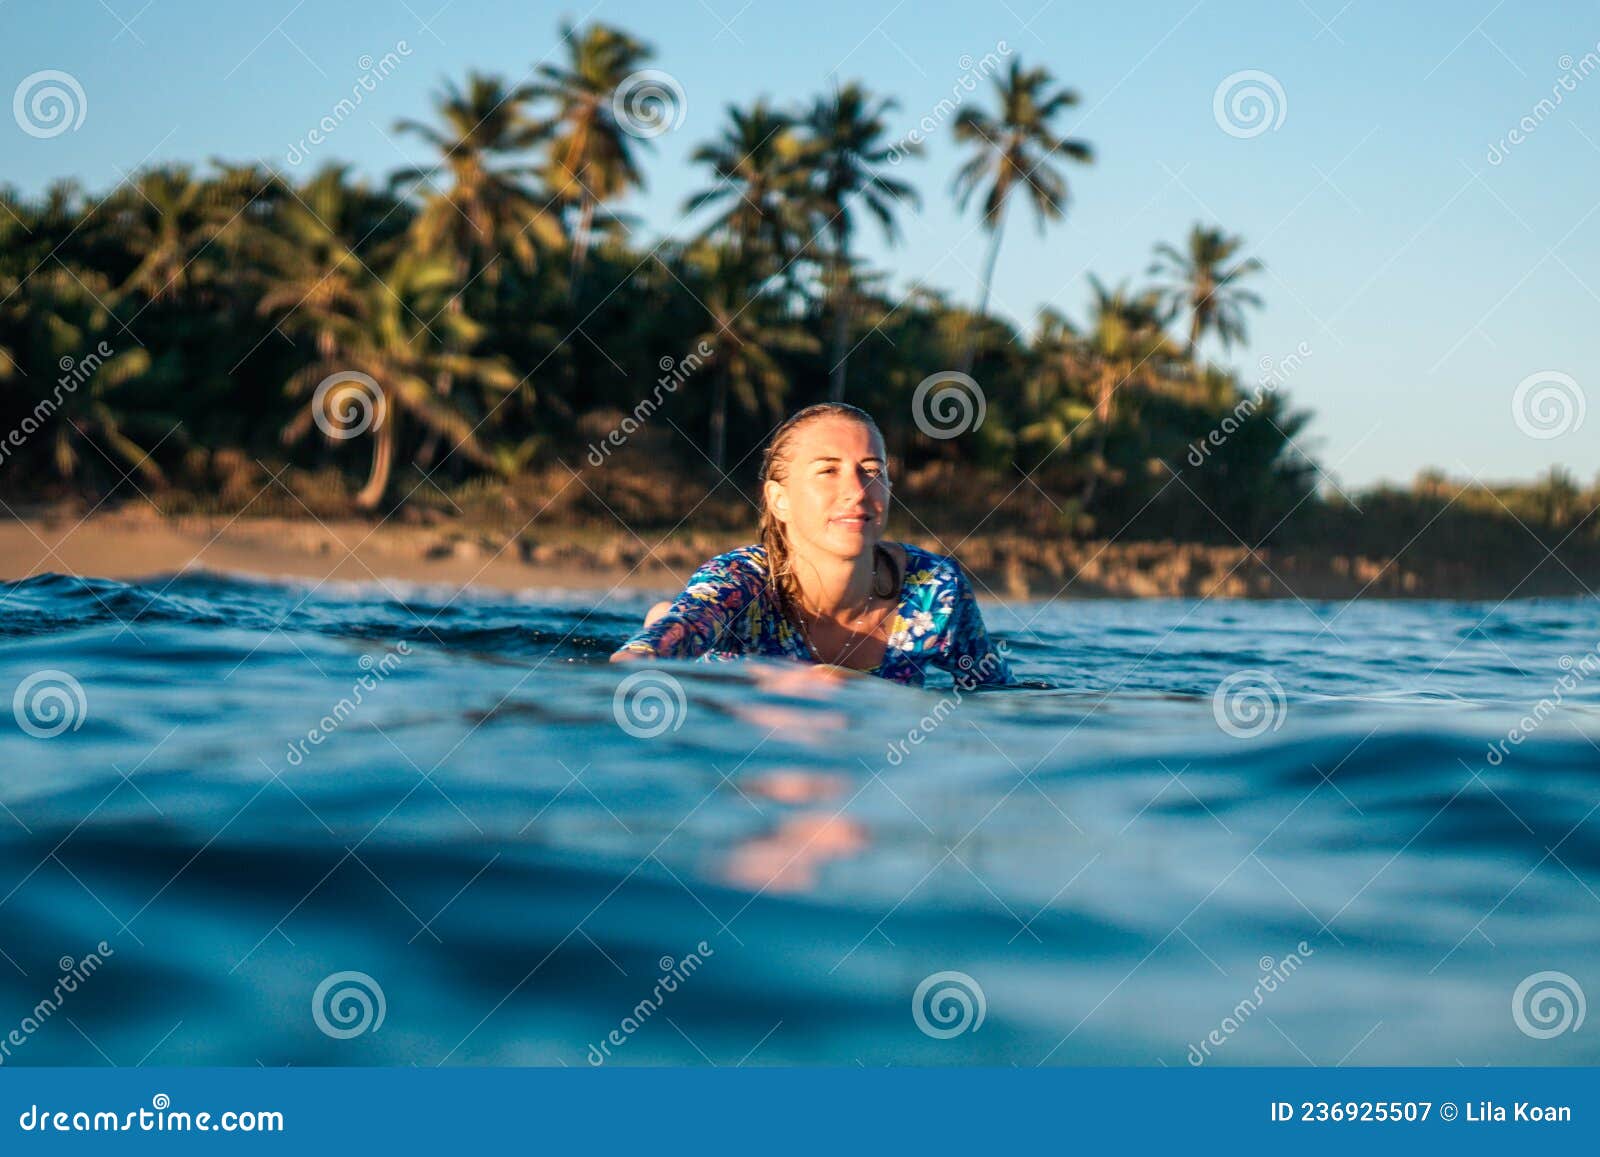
x,y
135,542
131,546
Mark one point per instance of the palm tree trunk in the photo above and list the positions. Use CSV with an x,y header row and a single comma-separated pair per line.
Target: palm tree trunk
x,y
841,331
1105,387
382,460
985,286
719,419
1102,415
1098,456
989,262
580,244
445,381
1194,335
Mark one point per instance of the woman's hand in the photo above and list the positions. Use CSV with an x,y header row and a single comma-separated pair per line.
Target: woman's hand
x,y
650,617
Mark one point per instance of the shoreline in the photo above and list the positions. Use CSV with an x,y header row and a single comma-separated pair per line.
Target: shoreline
x,y
136,543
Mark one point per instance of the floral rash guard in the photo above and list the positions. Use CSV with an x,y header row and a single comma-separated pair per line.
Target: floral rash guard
x,y
728,612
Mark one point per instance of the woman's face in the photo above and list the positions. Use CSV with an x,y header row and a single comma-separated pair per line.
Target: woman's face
x,y
835,497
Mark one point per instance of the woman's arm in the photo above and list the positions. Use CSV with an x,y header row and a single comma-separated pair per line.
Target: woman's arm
x,y
702,618
967,652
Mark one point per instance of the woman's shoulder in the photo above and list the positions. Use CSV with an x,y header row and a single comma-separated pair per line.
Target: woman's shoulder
x,y
740,562
924,567
754,554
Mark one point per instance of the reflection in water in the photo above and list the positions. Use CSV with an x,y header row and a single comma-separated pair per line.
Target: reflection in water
x,y
814,685
788,858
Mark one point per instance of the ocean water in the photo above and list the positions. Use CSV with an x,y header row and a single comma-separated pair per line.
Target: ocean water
x,y
279,823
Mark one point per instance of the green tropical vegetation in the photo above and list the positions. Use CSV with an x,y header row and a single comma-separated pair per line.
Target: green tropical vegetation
x,y
512,316
1016,147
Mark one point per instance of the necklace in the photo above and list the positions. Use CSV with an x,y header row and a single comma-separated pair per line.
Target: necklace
x,y
872,593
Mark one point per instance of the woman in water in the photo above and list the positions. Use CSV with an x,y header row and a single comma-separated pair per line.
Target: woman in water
x,y
821,586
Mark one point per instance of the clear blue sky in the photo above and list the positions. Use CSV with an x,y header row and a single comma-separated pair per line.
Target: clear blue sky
x,y
1427,281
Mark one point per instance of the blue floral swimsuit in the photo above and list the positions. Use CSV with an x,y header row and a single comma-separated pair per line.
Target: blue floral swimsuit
x,y
728,611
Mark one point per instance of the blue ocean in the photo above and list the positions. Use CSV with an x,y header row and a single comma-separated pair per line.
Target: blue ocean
x,y
247,822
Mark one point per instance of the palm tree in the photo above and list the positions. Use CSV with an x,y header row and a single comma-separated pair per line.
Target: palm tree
x,y
64,326
591,153
169,221
381,341
1127,349
1556,496
14,262
758,162
748,332
846,159
1053,397
1202,281
311,259
1012,148
488,208
393,327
